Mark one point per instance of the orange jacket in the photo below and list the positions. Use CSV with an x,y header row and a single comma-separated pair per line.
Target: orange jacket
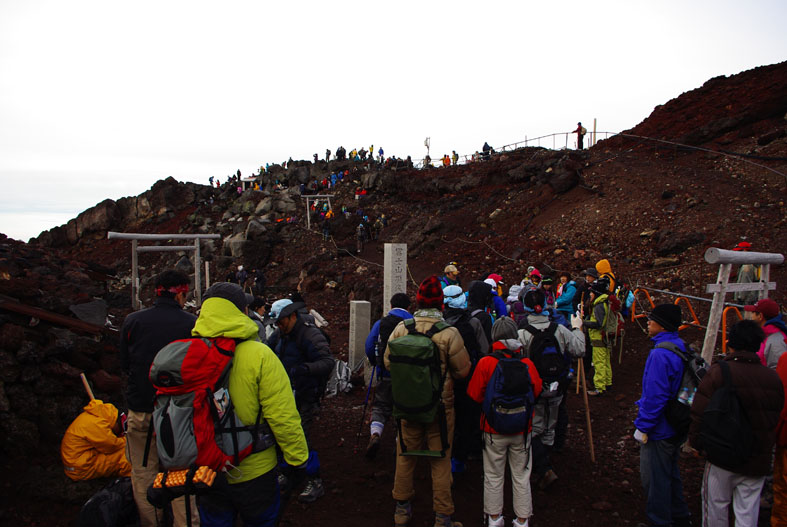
x,y
90,449
483,372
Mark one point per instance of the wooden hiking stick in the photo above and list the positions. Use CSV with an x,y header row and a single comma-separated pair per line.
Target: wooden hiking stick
x,y
581,376
587,413
87,386
620,354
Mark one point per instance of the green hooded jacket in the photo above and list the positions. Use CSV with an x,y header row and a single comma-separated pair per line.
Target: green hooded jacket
x,y
257,379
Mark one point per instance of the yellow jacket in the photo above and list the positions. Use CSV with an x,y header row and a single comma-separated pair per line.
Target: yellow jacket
x,y
90,449
257,380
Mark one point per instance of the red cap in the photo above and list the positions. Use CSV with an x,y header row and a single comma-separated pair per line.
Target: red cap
x,y
766,307
742,246
497,278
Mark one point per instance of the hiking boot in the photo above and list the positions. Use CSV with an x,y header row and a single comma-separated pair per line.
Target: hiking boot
x,y
516,523
547,479
500,521
312,491
595,393
444,520
402,513
283,482
373,446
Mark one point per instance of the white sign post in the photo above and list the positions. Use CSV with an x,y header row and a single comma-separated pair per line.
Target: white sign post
x,y
395,272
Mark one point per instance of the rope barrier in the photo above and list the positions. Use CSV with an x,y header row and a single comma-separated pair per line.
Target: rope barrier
x,y
482,241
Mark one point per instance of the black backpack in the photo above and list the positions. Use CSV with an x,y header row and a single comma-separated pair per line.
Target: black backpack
x,y
387,324
551,363
678,409
726,434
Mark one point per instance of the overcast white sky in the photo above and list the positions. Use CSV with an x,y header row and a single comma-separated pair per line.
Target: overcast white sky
x,y
100,99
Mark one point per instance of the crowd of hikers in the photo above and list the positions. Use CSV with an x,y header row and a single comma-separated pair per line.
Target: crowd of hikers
x,y
222,406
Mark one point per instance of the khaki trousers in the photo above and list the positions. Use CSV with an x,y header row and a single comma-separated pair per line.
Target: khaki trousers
x,y
142,477
414,436
514,449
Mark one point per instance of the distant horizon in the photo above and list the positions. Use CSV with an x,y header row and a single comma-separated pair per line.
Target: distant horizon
x,y
90,111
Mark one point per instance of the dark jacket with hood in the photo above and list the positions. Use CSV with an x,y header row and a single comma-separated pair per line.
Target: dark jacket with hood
x,y
479,298
143,334
306,355
762,396
471,330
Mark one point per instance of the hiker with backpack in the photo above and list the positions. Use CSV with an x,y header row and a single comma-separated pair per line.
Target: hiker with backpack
x,y
734,417
467,436
259,391
551,347
306,355
479,302
142,335
659,441
424,357
597,325
580,131
507,380
382,406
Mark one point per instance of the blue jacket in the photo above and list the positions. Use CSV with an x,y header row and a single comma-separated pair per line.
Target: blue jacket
x,y
500,305
564,301
660,382
374,335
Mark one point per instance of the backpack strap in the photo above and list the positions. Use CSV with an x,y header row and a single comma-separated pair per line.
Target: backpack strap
x,y
671,346
725,374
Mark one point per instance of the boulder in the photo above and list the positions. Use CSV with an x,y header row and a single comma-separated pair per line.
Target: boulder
x,y
94,312
234,245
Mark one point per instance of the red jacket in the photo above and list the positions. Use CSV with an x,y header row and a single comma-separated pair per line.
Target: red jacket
x,y
781,428
483,372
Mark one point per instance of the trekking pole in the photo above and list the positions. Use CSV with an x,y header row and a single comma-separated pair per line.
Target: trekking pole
x,y
620,353
87,386
587,416
365,404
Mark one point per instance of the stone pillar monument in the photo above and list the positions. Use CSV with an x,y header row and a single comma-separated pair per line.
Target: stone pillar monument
x,y
360,325
395,273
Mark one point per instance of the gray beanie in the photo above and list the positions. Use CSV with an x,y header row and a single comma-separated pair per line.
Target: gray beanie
x,y
504,328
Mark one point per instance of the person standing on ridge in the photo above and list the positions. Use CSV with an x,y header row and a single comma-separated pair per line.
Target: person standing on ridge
x,y
580,131
454,157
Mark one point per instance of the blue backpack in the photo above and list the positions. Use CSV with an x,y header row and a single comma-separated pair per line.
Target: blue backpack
x,y
509,399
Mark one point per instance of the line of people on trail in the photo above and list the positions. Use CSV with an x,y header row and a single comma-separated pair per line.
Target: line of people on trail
x,y
466,375
501,385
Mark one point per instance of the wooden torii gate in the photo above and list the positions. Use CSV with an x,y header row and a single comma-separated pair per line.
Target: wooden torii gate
x,y
315,197
136,249
726,259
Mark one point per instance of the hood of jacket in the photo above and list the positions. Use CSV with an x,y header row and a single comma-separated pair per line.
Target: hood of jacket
x,y
479,294
220,318
102,410
603,267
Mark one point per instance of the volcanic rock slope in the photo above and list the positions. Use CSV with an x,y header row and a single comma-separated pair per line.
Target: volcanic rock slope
x,y
705,169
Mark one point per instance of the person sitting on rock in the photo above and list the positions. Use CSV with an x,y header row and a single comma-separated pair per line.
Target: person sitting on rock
x,y
94,445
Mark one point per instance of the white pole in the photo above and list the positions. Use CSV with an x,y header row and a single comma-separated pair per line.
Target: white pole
x,y
717,307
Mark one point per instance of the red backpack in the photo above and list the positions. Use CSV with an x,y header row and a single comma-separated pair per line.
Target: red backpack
x,y
193,416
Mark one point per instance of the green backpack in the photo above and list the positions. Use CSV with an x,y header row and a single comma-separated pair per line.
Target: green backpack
x,y
417,379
